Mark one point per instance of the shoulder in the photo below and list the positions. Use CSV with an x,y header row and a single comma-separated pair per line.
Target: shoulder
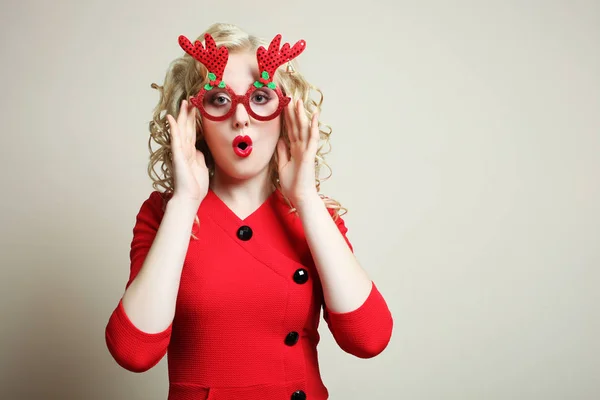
x,y
337,211
334,207
154,205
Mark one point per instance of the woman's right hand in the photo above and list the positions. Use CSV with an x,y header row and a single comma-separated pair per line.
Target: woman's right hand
x,y
189,167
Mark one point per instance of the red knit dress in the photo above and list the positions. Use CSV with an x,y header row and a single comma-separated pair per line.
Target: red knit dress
x,y
247,311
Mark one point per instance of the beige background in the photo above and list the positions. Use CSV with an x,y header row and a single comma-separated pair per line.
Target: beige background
x,y
465,145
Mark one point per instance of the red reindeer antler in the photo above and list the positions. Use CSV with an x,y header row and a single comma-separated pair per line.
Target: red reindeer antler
x,y
213,58
270,60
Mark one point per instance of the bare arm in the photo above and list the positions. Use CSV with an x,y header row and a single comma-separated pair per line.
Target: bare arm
x,y
354,309
345,284
138,332
149,301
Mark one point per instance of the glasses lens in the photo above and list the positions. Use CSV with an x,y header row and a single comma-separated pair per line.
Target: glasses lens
x,y
216,102
264,101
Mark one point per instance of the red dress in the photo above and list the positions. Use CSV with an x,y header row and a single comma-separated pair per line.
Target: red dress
x,y
247,311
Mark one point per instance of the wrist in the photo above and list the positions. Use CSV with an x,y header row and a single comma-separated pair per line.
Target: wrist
x,y
309,204
183,205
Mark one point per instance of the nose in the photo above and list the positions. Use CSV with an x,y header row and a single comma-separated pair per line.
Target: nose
x,y
240,117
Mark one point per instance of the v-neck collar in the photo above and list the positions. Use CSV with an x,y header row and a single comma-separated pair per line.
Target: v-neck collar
x,y
269,234
223,209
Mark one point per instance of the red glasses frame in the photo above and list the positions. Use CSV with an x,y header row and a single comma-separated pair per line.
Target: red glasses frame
x,y
198,102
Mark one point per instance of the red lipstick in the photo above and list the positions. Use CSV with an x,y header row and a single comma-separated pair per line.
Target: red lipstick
x,y
242,145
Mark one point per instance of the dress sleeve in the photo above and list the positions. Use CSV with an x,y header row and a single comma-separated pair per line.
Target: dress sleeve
x,y
132,348
341,226
366,331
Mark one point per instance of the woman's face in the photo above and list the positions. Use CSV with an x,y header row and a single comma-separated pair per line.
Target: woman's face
x,y
229,141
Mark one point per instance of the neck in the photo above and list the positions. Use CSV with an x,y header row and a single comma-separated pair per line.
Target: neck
x,y
251,191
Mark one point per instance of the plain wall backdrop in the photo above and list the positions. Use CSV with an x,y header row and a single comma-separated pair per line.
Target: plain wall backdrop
x,y
466,141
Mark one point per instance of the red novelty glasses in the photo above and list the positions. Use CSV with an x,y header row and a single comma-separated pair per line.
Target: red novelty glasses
x,y
261,103
263,100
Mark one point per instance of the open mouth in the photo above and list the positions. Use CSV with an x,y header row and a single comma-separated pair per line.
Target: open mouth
x,y
242,145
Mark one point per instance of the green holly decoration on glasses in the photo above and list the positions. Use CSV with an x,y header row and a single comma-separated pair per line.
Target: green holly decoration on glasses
x,y
265,80
213,82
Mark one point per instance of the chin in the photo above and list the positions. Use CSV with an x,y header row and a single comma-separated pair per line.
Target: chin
x,y
243,169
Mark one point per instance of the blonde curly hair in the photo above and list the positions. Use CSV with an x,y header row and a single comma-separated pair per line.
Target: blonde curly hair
x,y
186,76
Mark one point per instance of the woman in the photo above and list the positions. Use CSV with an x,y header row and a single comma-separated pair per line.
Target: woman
x,y
233,262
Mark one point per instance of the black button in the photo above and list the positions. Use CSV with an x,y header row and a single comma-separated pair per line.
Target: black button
x,y
292,338
299,395
244,233
301,276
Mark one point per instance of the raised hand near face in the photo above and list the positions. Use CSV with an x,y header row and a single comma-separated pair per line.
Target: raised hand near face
x,y
297,166
190,173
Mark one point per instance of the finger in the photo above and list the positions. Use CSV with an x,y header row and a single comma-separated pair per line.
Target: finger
x,y
182,117
175,141
291,122
302,121
313,140
191,124
172,127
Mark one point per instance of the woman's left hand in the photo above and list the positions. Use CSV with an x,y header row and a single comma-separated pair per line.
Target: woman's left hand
x,y
297,166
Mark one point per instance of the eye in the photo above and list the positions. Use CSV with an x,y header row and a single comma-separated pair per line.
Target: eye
x,y
259,97
220,100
